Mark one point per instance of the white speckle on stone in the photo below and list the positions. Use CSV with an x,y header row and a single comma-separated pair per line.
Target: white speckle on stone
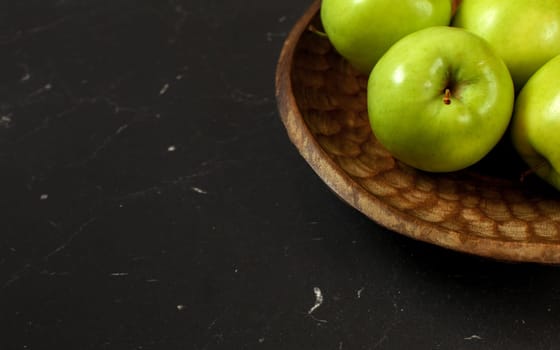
x,y
318,300
359,293
164,89
44,196
473,337
6,120
199,190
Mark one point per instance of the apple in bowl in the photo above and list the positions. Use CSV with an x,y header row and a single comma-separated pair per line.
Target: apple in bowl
x,y
440,99
362,30
526,34
535,126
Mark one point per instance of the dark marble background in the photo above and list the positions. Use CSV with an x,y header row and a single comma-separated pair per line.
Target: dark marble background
x,y
150,199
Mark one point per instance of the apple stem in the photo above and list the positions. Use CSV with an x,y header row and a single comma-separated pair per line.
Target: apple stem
x,y
447,97
531,171
314,30
525,174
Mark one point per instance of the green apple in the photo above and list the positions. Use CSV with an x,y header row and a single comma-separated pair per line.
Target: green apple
x,y
440,99
535,126
526,34
362,30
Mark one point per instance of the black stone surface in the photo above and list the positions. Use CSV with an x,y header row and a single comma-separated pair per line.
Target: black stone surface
x,y
150,199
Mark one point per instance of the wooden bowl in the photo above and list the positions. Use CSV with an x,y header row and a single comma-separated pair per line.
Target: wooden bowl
x,y
486,210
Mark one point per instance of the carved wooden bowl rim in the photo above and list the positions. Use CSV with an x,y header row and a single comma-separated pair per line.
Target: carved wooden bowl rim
x,y
505,246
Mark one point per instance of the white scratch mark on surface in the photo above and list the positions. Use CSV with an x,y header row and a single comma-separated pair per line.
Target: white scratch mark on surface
x,y
199,190
119,274
107,141
27,32
473,337
18,274
245,97
184,181
318,319
270,35
164,89
102,146
382,339
44,196
318,300
46,87
70,239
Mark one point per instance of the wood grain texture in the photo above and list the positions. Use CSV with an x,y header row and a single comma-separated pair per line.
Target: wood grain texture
x,y
483,210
